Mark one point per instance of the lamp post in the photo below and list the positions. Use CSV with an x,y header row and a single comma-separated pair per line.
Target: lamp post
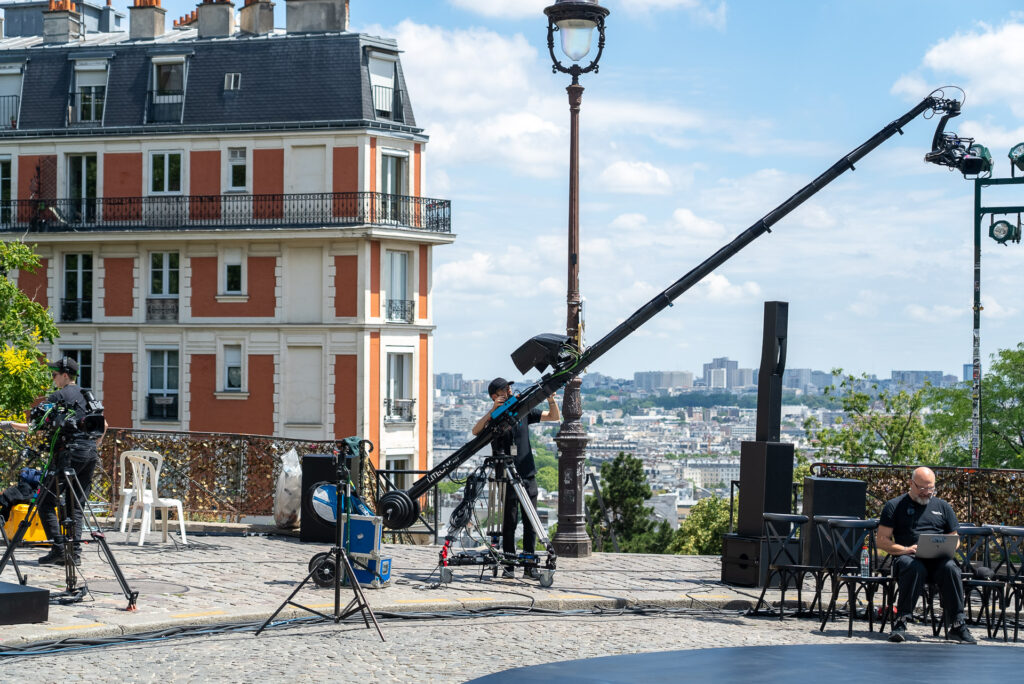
x,y
574,21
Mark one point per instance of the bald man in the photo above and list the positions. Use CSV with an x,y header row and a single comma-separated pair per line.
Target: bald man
x,y
903,520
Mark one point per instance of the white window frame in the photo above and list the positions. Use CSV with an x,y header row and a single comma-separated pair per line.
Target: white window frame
x,y
167,61
166,269
390,458
223,392
233,161
149,349
233,80
75,352
226,257
167,167
90,67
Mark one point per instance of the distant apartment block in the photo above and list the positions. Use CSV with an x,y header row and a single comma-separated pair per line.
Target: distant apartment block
x,y
656,380
916,379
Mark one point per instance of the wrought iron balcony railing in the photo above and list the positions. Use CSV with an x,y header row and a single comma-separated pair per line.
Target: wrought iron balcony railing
x,y
9,108
400,311
164,106
161,310
72,310
161,212
85,108
399,410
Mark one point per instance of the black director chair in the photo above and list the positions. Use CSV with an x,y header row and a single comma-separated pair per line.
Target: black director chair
x,y
848,538
978,547
1011,571
826,573
780,532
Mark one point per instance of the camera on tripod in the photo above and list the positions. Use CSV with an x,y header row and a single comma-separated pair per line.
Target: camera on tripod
x,y
70,423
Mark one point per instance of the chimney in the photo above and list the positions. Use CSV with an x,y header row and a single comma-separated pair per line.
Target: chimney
x,y
106,21
316,16
257,17
61,23
146,20
216,18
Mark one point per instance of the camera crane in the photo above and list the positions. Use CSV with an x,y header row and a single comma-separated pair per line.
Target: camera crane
x,y
400,508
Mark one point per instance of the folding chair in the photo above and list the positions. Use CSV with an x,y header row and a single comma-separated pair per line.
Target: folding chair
x,y
1011,570
146,499
978,548
847,539
823,542
784,546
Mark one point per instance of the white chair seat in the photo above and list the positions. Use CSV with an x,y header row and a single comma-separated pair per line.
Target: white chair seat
x,y
128,493
144,479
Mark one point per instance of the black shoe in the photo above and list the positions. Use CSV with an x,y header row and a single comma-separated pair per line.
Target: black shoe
x,y
899,632
54,557
531,573
961,634
508,573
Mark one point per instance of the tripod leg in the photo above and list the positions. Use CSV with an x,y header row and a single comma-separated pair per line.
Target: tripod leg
x,y
359,602
9,547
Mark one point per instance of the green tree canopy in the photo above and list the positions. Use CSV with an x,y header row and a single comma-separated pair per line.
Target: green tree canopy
x,y
624,489
701,532
547,478
24,324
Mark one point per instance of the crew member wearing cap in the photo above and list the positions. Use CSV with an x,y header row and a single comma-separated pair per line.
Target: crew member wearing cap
x,y
500,390
79,454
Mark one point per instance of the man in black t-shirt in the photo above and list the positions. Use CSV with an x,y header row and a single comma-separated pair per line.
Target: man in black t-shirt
x,y
903,520
75,452
517,443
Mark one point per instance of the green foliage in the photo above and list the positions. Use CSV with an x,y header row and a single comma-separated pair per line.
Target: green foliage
x,y
1002,415
448,487
547,478
24,324
542,457
624,488
701,532
881,426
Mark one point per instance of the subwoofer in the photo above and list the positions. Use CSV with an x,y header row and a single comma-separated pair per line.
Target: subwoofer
x,y
829,496
766,484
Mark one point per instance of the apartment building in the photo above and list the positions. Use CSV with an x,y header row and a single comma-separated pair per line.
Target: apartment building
x,y
230,219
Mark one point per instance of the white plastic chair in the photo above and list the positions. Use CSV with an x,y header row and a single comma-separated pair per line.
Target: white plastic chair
x,y
128,493
145,498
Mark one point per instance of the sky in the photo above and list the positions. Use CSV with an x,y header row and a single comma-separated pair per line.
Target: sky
x,y
704,116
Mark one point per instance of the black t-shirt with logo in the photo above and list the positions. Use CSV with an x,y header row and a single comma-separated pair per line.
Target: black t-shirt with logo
x,y
502,444
909,519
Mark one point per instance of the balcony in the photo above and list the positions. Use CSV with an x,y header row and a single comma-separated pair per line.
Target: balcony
x,y
164,106
162,407
400,311
161,310
399,410
9,107
184,212
74,310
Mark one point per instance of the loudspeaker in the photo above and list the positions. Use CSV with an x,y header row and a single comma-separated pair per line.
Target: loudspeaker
x,y
317,470
829,496
766,484
20,605
745,560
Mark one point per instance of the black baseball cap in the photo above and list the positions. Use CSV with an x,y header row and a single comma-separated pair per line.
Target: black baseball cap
x,y
65,365
497,384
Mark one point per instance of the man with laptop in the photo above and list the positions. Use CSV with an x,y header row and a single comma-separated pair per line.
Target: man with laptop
x,y
919,530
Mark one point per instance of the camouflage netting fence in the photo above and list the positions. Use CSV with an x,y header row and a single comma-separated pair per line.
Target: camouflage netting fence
x,y
978,495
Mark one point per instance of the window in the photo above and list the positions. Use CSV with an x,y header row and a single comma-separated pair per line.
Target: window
x,y
382,82
163,274
233,368
236,163
233,81
393,185
10,94
81,206
5,190
232,271
162,402
169,78
90,91
399,403
399,306
84,359
77,302
165,172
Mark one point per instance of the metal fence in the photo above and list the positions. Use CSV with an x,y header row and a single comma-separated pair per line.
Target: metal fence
x,y
978,495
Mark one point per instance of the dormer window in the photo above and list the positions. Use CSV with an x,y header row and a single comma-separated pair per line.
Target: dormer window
x,y
89,93
387,101
10,94
167,89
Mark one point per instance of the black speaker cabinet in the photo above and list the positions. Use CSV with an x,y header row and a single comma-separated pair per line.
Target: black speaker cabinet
x,y
20,605
317,470
745,560
766,484
829,496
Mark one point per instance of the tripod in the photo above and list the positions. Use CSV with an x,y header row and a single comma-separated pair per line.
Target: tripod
x,y
69,495
330,568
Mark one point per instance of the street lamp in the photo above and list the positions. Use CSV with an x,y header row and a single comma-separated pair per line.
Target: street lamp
x,y
575,22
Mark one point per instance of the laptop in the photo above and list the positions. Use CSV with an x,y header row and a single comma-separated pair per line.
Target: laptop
x,y
937,545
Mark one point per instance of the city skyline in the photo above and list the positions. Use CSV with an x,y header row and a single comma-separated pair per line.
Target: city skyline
x,y
704,117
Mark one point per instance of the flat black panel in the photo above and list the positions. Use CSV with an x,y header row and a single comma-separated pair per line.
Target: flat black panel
x,y
316,468
766,483
21,605
829,496
745,560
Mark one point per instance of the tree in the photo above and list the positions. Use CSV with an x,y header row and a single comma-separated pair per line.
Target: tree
x,y
701,533
1002,415
880,426
624,489
547,478
24,324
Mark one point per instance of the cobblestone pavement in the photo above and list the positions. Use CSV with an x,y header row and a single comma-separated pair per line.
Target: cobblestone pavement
x,y
222,579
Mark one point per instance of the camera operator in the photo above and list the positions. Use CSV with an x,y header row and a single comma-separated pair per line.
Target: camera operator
x,y
500,390
74,451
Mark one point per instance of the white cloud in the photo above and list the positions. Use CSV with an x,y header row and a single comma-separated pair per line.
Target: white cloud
x,y
868,303
717,288
993,309
640,178
937,313
629,222
518,9
695,226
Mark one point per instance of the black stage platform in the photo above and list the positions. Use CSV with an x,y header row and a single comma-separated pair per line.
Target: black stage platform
x,y
814,664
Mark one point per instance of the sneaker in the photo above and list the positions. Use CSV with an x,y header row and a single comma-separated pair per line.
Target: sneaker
x,y
961,634
531,573
899,632
54,557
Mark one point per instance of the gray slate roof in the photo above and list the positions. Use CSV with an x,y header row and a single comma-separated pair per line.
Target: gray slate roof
x,y
287,81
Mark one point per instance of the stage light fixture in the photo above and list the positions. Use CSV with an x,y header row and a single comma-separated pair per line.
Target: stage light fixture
x,y
1017,156
1003,232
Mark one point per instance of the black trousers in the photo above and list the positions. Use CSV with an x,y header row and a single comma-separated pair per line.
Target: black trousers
x,y
512,516
913,574
82,460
